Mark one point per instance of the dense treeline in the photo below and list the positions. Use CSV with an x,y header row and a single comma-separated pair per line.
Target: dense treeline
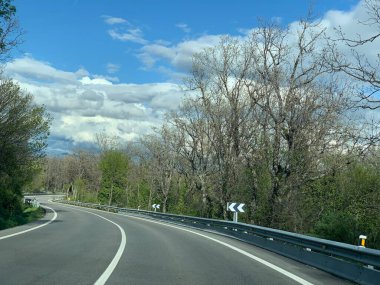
x,y
339,205
24,129
271,121
23,132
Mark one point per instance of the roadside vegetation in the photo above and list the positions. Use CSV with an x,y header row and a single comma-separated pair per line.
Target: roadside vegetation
x,y
28,214
276,120
24,128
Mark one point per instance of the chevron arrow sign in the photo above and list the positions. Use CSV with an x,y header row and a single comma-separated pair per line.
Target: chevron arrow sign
x,y
235,207
156,206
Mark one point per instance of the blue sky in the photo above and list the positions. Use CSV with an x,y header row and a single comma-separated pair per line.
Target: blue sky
x,y
116,66
71,34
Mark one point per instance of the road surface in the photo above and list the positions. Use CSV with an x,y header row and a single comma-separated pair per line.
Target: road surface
x,y
73,245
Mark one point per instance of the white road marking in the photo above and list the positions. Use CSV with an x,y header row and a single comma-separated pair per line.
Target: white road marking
x,y
249,255
258,259
111,267
34,228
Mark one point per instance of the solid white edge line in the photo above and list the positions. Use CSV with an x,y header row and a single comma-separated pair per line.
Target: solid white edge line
x,y
258,259
249,255
34,228
111,267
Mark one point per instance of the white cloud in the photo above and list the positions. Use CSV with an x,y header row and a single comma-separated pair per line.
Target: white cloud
x,y
112,67
164,56
106,77
83,105
96,81
34,70
113,20
131,35
178,56
184,27
125,31
351,24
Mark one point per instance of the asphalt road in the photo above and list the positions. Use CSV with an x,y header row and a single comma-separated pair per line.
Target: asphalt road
x,y
73,245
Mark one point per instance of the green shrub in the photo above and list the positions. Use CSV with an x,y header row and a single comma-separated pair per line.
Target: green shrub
x,y
337,226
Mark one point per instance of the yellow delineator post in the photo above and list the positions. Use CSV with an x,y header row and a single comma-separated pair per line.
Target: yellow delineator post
x,y
362,239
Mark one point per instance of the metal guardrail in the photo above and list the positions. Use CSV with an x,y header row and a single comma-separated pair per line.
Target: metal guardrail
x,y
355,263
42,194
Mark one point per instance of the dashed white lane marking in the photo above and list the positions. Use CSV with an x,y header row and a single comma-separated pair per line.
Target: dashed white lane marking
x,y
34,228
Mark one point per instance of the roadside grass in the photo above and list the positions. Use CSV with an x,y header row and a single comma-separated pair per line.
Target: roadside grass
x,y
29,214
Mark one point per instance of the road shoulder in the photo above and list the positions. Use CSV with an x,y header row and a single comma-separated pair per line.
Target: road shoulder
x,y
49,214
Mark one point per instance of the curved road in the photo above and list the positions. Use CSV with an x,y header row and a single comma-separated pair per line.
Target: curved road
x,y
73,245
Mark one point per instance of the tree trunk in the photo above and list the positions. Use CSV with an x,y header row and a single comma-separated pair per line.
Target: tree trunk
x,y
111,192
150,196
127,194
164,202
138,196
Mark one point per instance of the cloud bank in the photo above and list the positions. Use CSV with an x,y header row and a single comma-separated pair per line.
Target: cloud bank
x,y
83,105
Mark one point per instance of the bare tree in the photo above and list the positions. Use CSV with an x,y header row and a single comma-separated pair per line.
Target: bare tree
x,y
140,178
77,173
267,104
301,104
87,164
106,142
218,123
190,133
356,64
53,174
10,31
161,164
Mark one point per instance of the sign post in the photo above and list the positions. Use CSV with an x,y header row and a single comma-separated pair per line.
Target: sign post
x,y
235,208
235,217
